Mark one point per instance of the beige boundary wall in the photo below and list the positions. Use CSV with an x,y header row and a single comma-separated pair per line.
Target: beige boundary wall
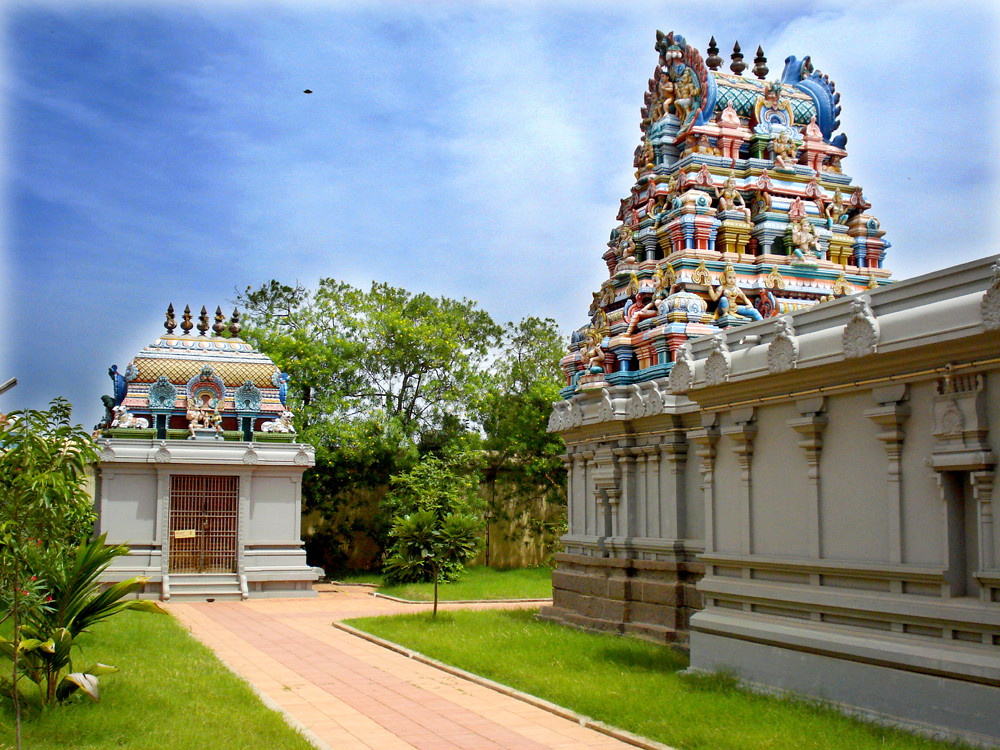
x,y
808,501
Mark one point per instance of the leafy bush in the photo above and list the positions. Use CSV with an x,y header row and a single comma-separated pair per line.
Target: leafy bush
x,y
74,603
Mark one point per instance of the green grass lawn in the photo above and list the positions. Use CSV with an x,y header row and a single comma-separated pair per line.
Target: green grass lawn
x,y
171,692
479,582
630,684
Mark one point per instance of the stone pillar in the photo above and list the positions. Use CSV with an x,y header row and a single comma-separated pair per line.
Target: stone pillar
x,y
650,245
586,457
162,532
569,462
889,417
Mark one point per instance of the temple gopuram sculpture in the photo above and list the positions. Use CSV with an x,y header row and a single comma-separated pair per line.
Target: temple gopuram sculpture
x,y
774,457
205,385
738,183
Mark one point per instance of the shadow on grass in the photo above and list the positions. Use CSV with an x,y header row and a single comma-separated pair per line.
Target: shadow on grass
x,y
664,660
711,682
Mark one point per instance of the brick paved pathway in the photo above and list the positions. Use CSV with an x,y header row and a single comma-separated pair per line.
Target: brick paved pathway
x,y
353,694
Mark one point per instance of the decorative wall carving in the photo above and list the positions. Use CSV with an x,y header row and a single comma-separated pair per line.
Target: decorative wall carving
x,y
247,398
719,362
783,351
607,412
682,373
861,333
991,301
162,394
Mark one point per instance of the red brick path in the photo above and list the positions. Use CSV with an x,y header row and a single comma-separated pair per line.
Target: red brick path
x,y
352,694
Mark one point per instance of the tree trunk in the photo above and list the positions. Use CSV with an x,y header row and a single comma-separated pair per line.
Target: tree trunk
x,y
435,613
17,643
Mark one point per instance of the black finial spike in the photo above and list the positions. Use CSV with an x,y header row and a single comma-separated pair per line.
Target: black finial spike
x,y
737,65
713,61
234,323
760,64
203,321
186,324
220,322
170,324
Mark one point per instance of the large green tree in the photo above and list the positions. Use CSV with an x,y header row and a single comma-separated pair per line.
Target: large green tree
x,y
523,468
377,376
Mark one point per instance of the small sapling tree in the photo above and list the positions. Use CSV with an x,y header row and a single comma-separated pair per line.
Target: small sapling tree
x,y
437,520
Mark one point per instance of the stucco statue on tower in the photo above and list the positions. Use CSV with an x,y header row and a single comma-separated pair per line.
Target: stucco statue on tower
x,y
785,151
732,300
805,240
729,196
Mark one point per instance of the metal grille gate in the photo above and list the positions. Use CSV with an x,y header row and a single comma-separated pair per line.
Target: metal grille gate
x,y
203,519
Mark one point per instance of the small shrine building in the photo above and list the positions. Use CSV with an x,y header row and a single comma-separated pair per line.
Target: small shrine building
x,y
776,457
199,470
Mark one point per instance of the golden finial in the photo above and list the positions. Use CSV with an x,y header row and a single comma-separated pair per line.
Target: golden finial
x,y
203,321
234,323
220,322
170,324
186,324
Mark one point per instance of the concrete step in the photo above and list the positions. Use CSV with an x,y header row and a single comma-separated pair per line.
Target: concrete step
x,y
186,596
199,587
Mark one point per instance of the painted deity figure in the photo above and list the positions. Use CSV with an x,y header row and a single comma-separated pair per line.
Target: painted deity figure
x,y
805,239
648,155
685,91
732,300
642,308
784,152
729,197
662,98
592,355
836,210
205,415
626,245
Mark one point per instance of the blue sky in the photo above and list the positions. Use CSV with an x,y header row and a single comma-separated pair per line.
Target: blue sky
x,y
160,153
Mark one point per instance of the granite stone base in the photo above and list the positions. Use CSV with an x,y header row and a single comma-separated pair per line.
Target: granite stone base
x,y
645,598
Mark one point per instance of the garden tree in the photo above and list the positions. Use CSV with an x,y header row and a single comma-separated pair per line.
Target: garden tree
x,y
514,410
437,519
375,374
44,511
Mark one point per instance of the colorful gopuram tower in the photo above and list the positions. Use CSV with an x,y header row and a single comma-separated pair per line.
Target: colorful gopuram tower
x,y
740,211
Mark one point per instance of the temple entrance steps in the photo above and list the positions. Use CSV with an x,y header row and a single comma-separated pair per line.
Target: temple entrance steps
x,y
192,587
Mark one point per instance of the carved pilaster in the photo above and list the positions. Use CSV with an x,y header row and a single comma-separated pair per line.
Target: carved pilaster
x,y
982,493
742,433
707,438
652,499
810,428
672,483
624,512
889,417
